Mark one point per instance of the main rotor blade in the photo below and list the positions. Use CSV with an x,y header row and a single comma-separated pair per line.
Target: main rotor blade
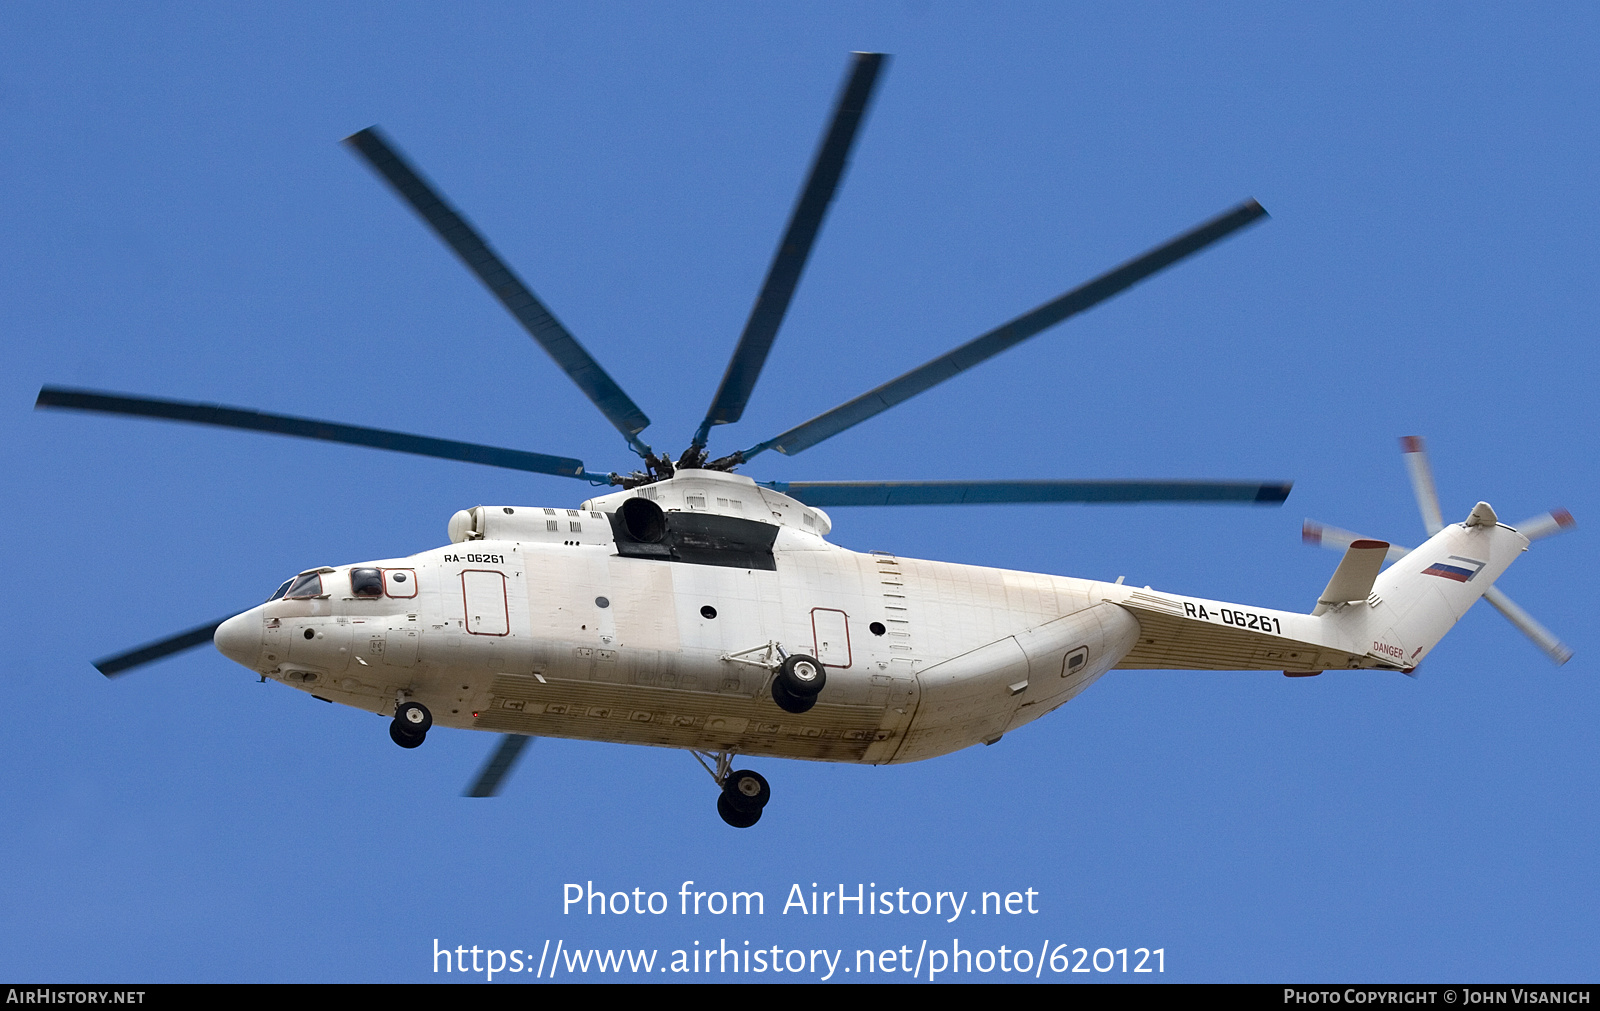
x,y
540,323
111,666
1422,482
980,349
499,765
307,428
875,493
790,259
1542,637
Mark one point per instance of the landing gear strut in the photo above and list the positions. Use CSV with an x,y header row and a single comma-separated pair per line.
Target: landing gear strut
x,y
411,723
744,792
796,680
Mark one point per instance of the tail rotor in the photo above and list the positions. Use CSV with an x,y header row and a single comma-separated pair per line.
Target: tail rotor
x,y
1534,528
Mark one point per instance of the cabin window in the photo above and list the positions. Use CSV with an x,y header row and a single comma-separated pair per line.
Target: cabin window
x,y
307,584
400,582
280,591
366,583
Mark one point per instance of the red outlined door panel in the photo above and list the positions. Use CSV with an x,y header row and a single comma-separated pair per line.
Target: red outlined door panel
x,y
483,593
830,636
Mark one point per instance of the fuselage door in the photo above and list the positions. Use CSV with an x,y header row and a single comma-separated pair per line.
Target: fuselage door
x,y
484,594
403,635
830,631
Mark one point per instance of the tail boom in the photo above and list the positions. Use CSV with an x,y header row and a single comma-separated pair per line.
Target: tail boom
x,y
1413,603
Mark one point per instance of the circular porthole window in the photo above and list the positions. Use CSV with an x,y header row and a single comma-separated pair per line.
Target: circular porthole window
x,y
876,628
708,612
601,602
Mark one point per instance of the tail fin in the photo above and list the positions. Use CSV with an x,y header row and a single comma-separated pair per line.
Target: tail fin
x,y
1420,597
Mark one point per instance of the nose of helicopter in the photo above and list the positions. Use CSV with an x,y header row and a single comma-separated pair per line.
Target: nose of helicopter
x,y
239,638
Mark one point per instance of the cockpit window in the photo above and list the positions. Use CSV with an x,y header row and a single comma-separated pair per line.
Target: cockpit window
x,y
279,591
305,585
366,583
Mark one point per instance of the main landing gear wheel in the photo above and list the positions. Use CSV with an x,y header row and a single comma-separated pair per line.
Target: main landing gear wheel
x,y
746,790
735,817
411,723
744,794
789,702
798,682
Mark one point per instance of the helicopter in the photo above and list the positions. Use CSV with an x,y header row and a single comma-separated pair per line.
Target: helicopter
x,y
695,608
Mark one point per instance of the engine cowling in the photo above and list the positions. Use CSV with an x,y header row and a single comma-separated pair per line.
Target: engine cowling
x,y
523,523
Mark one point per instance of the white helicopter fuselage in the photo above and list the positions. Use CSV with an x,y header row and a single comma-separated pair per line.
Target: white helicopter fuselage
x,y
550,622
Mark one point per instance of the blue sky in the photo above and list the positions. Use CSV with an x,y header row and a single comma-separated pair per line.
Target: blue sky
x,y
182,222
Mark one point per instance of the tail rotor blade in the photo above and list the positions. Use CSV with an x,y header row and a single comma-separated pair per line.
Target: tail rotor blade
x,y
1320,535
1422,482
112,666
1545,524
1542,637
499,766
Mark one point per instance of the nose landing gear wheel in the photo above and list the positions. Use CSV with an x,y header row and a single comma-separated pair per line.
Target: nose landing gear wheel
x,y
414,716
405,738
411,723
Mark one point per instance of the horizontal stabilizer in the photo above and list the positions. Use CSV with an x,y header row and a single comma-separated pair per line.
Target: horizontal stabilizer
x,y
1357,571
